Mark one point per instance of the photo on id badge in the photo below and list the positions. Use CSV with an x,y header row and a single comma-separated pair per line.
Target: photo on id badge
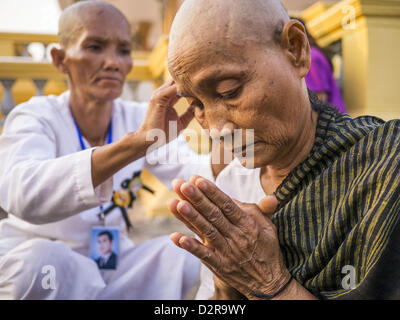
x,y
104,247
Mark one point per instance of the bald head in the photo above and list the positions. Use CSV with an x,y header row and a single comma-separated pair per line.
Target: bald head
x,y
220,23
73,19
241,64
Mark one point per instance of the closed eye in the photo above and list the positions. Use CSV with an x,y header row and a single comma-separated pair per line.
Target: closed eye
x,y
230,94
94,47
125,51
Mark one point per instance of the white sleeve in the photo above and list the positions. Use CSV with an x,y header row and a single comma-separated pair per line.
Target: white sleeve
x,y
177,161
206,288
35,185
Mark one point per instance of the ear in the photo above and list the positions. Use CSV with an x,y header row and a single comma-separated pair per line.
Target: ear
x,y
58,56
200,116
294,40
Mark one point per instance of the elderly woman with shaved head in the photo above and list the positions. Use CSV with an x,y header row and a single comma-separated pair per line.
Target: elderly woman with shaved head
x,y
72,162
327,186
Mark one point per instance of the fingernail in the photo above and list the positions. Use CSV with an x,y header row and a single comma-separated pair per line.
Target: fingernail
x,y
184,208
184,242
188,189
202,184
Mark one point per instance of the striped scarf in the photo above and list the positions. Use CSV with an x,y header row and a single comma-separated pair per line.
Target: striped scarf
x,y
339,209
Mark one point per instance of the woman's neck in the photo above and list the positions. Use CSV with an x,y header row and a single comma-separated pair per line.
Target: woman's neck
x,y
92,116
273,175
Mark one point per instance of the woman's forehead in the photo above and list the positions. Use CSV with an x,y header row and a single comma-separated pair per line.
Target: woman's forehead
x,y
106,33
205,70
94,21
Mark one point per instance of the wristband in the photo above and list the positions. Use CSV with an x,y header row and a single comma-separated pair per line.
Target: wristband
x,y
270,296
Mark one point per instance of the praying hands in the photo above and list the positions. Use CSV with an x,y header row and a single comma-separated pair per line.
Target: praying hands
x,y
239,242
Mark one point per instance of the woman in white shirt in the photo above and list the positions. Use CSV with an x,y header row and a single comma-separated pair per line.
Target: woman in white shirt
x,y
62,158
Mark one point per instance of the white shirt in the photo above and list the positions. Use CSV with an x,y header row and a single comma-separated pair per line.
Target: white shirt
x,y
45,177
106,256
241,184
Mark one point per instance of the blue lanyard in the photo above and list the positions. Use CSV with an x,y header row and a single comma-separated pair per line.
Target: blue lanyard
x,y
109,139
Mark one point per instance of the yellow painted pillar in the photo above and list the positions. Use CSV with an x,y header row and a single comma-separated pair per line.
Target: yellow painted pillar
x,y
370,35
355,65
371,60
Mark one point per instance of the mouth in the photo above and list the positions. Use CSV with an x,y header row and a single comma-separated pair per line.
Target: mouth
x,y
242,149
109,79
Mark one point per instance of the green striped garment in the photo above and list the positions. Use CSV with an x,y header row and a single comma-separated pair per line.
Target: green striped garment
x,y
339,209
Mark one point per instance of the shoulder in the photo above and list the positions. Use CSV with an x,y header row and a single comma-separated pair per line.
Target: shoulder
x,y
41,105
365,139
373,128
41,110
386,141
344,130
373,143
131,112
130,107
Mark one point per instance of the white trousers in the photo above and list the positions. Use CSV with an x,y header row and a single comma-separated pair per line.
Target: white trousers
x,y
45,269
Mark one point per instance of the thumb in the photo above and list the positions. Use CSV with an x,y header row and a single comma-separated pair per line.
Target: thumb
x,y
254,211
186,117
268,206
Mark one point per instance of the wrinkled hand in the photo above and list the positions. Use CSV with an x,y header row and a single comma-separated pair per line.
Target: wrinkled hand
x,y
239,243
223,291
161,111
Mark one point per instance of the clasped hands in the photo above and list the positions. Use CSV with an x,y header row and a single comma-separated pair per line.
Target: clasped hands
x,y
239,242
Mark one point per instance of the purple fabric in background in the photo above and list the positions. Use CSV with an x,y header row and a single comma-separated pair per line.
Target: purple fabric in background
x,y
320,79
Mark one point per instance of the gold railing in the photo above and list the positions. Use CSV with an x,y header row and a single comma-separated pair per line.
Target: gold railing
x,y
15,44
22,77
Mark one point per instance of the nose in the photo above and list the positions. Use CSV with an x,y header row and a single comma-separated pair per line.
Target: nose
x,y
112,60
218,120
222,131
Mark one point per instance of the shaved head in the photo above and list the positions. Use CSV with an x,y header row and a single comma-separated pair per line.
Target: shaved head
x,y
95,53
200,24
241,64
72,20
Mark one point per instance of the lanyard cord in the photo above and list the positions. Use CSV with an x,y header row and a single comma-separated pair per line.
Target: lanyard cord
x,y
83,147
102,211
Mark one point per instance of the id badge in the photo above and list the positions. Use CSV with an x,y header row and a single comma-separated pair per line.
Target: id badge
x,y
104,247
